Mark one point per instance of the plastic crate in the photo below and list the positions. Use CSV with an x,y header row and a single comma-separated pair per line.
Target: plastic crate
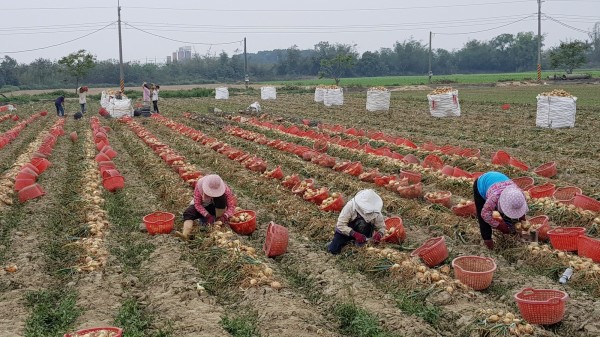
x,y
565,238
589,247
542,191
276,241
433,251
159,222
245,227
547,170
541,306
475,271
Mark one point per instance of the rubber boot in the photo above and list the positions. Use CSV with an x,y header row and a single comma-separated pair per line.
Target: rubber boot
x,y
187,229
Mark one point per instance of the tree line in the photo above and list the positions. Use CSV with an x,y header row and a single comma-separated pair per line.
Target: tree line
x,y
503,53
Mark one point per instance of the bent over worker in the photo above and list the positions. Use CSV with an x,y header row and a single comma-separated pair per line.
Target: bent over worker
x,y
359,220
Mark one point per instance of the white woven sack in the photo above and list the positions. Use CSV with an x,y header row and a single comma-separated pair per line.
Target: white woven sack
x,y
444,105
222,93
319,94
555,112
104,99
120,108
333,97
268,93
378,100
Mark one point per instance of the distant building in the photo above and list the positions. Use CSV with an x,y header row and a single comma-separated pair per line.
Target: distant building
x,y
174,56
168,59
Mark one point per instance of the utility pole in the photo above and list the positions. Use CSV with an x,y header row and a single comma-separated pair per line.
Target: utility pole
x,y
246,78
539,65
430,73
122,73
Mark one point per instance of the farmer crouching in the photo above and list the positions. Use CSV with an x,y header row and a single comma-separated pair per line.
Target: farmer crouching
x,y
500,203
213,200
360,219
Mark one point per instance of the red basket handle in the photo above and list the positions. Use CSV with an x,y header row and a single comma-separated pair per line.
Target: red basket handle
x,y
430,242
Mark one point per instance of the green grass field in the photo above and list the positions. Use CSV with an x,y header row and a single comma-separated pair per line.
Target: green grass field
x,y
416,80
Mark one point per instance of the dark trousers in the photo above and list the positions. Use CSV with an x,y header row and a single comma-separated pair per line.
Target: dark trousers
x,y
60,111
484,227
155,105
340,240
191,213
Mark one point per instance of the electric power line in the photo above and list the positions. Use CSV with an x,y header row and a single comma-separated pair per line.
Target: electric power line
x,y
327,10
58,44
568,26
487,30
175,40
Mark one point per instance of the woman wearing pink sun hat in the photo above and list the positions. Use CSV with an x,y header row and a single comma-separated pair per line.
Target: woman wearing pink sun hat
x,y
213,199
500,203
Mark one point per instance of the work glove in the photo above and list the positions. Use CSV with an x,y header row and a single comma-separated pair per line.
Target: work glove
x,y
210,219
224,218
377,237
489,244
503,227
360,238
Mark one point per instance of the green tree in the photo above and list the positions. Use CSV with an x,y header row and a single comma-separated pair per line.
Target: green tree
x,y
569,55
336,67
78,64
8,71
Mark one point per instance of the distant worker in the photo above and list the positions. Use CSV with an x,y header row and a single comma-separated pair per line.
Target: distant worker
x,y
59,103
213,200
500,203
146,95
155,90
82,91
359,220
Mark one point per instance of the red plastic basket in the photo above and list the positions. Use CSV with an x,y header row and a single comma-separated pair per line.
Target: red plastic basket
x,y
26,174
565,238
448,170
542,191
276,241
102,157
444,198
475,271
434,162
298,189
413,177
411,191
589,247
411,159
459,173
246,227
500,158
354,169
335,206
31,192
276,173
518,164
22,183
541,306
114,183
73,136
566,195
382,180
466,211
317,198
547,170
399,233
291,181
586,203
433,251
544,228
159,222
524,183
118,331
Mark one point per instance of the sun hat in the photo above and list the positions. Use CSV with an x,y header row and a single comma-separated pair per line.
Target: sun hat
x,y
368,204
213,186
512,202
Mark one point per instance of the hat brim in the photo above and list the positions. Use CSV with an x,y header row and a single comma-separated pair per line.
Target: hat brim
x,y
213,192
513,213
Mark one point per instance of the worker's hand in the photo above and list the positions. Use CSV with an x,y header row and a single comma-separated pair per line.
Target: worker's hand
x,y
504,228
224,218
360,238
377,237
210,219
489,244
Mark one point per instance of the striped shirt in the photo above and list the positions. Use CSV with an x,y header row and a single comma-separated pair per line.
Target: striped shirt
x,y
201,200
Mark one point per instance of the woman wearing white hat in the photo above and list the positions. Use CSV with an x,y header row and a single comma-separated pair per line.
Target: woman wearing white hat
x,y
213,199
500,203
360,219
